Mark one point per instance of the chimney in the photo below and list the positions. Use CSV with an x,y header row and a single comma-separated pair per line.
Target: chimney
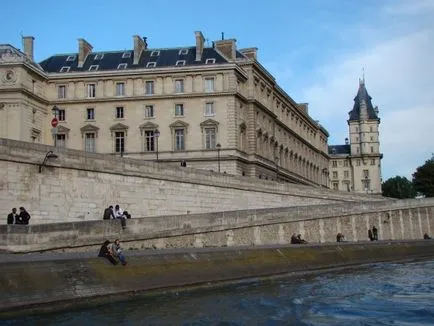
x,y
84,48
28,46
250,53
227,48
304,107
200,42
139,46
346,141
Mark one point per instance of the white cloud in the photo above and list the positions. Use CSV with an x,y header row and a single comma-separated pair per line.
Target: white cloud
x,y
399,74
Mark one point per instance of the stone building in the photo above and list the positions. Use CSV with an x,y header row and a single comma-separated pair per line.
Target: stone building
x,y
356,166
214,107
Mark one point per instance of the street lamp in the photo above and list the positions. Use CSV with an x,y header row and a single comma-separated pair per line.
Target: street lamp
x,y
157,135
49,155
55,111
218,146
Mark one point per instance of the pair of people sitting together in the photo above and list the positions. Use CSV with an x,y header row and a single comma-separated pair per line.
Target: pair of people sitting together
x,y
112,252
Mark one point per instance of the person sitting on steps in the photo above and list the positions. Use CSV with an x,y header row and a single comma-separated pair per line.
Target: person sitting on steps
x,y
116,250
105,253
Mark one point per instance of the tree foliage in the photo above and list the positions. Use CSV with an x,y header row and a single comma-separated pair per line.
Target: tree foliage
x,y
398,187
423,178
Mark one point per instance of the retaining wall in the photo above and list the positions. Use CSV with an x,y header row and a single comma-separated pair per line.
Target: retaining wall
x,y
35,282
402,219
77,186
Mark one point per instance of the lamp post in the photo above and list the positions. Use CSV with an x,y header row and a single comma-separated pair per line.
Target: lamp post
x,y
218,146
55,111
157,135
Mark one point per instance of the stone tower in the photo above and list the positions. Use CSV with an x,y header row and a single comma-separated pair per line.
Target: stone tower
x,y
356,166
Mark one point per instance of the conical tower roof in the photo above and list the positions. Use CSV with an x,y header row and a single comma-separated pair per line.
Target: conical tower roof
x,y
363,108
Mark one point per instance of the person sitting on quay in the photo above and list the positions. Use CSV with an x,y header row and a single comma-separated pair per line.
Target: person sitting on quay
x,y
340,237
23,217
108,213
13,217
119,212
426,236
116,250
297,239
105,253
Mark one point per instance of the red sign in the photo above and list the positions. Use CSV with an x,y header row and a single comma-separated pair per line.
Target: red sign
x,y
54,122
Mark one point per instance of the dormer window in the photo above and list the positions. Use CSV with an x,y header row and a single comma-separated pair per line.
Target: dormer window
x,y
70,58
126,55
93,67
183,51
99,56
209,61
122,66
151,64
180,63
65,69
155,53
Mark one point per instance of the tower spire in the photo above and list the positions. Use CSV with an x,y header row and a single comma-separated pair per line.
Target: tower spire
x,y
362,80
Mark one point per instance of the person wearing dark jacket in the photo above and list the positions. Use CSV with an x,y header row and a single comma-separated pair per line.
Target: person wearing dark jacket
x,y
105,253
108,213
24,216
13,217
370,236
375,232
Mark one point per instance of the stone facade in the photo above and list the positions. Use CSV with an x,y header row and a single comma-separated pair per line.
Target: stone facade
x,y
228,115
356,166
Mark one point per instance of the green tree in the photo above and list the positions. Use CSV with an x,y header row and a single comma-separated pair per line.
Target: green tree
x,y
423,178
398,187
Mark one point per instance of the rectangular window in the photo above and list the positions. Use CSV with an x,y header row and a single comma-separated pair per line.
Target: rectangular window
x,y
209,85
179,86
179,140
149,141
210,138
119,142
151,64
149,90
61,91
149,111
183,51
119,112
346,163
373,161
122,66
70,58
209,109
372,149
60,140
61,115
65,69
335,174
155,53
346,174
126,55
366,173
209,61
357,149
93,67
90,114
180,63
99,56
89,142
334,164
335,185
120,89
179,109
91,90
358,162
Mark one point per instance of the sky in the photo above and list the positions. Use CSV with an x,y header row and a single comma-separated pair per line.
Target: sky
x,y
316,50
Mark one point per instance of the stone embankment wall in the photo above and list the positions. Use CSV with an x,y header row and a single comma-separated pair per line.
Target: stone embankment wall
x,y
44,282
396,220
77,186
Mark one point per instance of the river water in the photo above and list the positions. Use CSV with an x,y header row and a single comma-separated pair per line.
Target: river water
x,y
380,294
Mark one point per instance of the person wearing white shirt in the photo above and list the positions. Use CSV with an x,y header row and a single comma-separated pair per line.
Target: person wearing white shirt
x,y
119,212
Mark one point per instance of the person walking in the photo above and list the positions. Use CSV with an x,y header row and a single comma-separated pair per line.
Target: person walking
x,y
24,216
13,216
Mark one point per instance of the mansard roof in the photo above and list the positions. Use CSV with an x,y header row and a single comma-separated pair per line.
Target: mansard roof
x,y
111,60
363,108
339,149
